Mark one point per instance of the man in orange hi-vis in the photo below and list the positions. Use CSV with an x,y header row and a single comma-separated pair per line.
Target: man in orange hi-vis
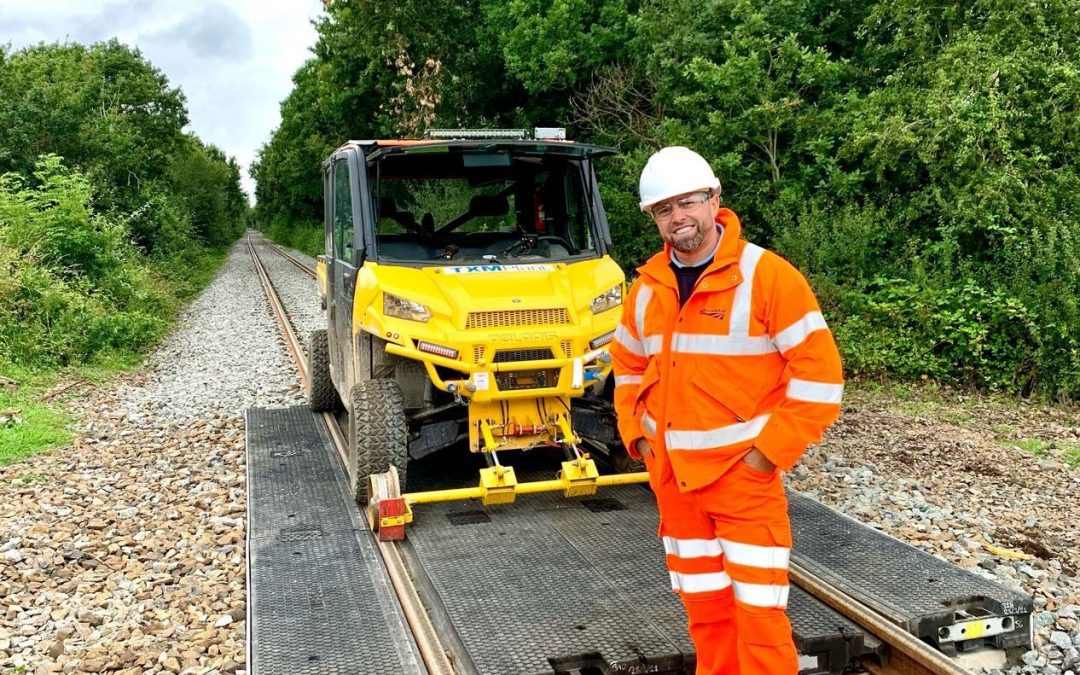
x,y
724,372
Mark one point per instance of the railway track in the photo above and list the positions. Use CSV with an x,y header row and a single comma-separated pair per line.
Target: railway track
x,y
904,654
303,266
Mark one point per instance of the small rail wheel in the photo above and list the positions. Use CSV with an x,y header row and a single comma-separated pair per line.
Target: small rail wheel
x,y
378,434
321,393
381,487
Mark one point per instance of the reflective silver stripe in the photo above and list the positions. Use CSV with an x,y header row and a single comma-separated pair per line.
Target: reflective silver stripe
x,y
721,345
761,595
740,307
648,423
699,583
715,438
815,392
620,380
774,557
640,305
653,344
797,332
631,343
692,548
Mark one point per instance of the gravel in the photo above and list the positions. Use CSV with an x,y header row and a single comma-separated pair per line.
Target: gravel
x,y
125,551
208,365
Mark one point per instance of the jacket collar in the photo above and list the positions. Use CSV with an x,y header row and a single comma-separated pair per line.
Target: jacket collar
x,y
659,266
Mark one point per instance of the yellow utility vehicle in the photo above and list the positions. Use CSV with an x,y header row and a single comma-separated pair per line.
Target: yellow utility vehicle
x,y
471,297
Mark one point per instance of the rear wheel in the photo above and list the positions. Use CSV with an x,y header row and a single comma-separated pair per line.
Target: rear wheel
x,y
321,393
378,434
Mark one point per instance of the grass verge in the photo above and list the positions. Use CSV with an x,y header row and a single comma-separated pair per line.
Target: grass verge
x,y
1066,452
28,424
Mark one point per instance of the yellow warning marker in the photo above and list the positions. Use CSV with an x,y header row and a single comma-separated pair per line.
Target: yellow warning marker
x,y
1008,553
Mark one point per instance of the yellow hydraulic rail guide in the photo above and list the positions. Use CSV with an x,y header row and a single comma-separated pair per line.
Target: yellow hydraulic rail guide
x,y
497,485
389,511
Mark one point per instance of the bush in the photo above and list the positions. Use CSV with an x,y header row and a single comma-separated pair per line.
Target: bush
x,y
71,287
965,335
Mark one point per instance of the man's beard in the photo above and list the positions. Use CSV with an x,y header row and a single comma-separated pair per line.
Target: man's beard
x,y
688,244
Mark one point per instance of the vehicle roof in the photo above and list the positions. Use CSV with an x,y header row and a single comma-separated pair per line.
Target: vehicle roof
x,y
382,147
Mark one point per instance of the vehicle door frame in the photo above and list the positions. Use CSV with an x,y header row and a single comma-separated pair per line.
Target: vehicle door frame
x,y
341,275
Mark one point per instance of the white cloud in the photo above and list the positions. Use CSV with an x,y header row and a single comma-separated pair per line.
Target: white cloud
x,y
234,59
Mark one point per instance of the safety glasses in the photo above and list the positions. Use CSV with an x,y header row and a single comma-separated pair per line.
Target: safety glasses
x,y
664,212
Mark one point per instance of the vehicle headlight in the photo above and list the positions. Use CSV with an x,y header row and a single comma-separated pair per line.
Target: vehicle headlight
x,y
403,308
607,300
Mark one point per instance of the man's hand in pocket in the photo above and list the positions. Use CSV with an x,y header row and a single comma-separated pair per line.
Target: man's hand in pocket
x,y
758,461
642,447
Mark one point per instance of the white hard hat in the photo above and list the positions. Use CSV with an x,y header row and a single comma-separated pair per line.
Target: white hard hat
x,y
674,171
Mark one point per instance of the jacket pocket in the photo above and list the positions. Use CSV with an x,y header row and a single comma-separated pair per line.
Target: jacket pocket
x,y
725,393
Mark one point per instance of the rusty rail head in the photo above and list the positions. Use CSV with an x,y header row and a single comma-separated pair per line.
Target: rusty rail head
x,y
296,349
914,657
293,259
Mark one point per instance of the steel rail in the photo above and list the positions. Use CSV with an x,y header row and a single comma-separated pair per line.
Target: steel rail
x,y
427,640
310,271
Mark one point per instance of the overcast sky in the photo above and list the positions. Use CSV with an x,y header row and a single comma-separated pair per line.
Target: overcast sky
x,y
234,59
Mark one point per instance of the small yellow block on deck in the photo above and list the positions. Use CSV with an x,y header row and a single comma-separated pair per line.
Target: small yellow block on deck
x,y
497,485
579,477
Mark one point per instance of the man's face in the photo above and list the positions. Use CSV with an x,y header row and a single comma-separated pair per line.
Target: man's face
x,y
687,222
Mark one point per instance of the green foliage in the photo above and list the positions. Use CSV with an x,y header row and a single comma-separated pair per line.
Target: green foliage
x,y
110,218
915,159
208,185
554,44
964,335
73,286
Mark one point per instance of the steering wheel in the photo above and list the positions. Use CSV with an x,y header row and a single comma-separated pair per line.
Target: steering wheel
x,y
524,245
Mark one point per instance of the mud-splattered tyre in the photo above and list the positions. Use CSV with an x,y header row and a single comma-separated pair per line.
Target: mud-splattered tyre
x,y
321,393
379,433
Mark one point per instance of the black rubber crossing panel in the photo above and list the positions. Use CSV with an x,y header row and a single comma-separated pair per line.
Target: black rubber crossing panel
x,y
827,642
910,587
550,585
318,597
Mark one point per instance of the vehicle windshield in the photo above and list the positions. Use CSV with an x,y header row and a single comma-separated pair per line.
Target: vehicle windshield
x,y
493,207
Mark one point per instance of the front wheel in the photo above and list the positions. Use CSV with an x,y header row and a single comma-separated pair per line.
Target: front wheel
x,y
378,434
321,393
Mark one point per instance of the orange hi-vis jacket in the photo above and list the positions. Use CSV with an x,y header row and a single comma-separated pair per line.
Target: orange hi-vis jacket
x,y
747,362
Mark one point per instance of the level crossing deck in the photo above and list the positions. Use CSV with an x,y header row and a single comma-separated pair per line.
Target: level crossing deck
x,y
319,600
544,585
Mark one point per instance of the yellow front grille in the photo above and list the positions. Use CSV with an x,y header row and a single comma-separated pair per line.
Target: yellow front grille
x,y
478,353
518,317
567,348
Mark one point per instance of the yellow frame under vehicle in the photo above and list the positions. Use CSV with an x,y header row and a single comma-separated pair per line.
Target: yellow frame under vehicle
x,y
470,297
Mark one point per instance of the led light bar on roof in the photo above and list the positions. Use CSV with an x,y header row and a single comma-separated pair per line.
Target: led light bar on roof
x,y
550,134
512,134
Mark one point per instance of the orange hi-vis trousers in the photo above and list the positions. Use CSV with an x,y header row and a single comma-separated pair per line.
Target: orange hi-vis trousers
x,y
727,547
